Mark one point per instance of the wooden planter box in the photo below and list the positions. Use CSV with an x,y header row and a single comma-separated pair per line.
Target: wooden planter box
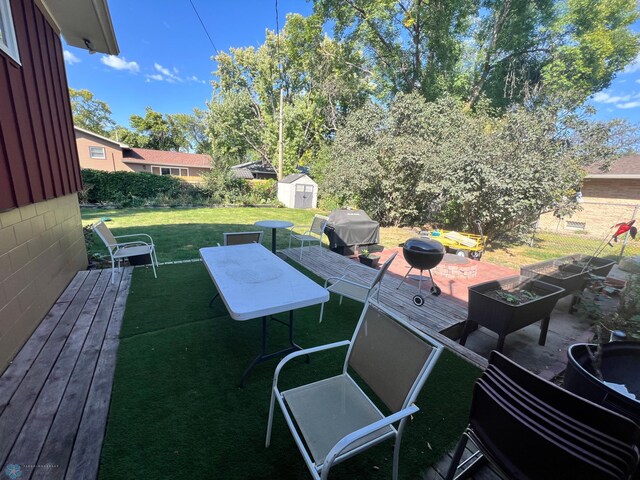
x,y
504,318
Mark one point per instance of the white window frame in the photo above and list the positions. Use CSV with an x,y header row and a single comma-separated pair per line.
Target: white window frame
x,y
92,147
9,44
182,171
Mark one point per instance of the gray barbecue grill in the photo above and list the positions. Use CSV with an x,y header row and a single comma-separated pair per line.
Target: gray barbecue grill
x,y
422,254
349,230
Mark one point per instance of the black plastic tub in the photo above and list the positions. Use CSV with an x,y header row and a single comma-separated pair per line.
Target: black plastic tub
x,y
144,259
568,272
620,365
504,318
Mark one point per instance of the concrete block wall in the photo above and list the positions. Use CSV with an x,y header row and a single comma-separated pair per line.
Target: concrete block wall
x,y
41,249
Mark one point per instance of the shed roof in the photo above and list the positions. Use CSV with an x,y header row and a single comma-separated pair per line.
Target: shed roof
x,y
294,177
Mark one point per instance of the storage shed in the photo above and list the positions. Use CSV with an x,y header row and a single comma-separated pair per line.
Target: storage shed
x,y
298,191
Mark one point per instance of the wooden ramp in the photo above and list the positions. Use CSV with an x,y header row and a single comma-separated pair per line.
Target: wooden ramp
x,y
440,317
55,395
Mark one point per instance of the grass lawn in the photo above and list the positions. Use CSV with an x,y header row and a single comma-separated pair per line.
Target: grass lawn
x,y
177,411
180,232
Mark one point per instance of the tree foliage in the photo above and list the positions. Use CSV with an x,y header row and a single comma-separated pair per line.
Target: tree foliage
x,y
156,131
321,80
436,162
504,50
90,113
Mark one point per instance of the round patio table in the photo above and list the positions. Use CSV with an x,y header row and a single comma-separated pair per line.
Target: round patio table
x,y
274,225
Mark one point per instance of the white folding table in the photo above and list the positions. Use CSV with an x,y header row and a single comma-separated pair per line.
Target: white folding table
x,y
253,282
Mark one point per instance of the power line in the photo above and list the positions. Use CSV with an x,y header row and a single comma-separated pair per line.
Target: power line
x,y
203,26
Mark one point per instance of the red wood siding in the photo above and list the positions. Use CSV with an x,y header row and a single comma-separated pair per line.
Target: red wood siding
x,y
38,158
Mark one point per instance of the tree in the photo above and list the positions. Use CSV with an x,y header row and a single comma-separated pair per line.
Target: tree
x,y
155,131
90,113
411,45
322,81
508,51
193,128
419,162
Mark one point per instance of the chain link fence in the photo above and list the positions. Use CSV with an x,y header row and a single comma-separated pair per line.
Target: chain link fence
x,y
589,231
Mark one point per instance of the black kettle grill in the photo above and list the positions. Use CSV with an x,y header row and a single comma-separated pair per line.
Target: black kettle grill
x,y
423,254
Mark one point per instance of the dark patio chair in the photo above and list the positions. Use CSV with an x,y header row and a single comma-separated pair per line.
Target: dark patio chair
x,y
529,428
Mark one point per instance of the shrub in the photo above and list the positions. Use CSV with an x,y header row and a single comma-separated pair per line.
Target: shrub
x,y
263,191
132,189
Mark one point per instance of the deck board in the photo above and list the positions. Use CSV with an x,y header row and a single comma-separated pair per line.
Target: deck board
x,y
44,392
440,317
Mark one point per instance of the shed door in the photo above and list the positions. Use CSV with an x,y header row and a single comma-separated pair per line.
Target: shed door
x,y
304,196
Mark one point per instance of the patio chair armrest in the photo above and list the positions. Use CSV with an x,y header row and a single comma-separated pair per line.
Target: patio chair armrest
x,y
361,433
305,351
129,244
136,235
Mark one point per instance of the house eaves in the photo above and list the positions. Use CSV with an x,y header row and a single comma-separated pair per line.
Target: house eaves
x,y
83,23
104,139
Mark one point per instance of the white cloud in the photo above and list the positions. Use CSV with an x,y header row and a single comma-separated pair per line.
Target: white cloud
x,y
156,76
602,97
70,58
633,66
625,105
195,79
120,63
167,75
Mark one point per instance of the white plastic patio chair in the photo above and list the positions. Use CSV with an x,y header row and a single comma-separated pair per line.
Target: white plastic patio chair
x,y
361,292
312,235
240,238
119,250
333,419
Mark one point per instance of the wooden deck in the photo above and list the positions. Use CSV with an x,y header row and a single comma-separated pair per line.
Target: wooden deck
x,y
55,395
440,317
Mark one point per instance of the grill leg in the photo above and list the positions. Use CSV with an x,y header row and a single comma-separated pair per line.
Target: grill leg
x,y
405,277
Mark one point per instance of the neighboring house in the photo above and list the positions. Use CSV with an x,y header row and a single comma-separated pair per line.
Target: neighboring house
x,y
41,240
102,153
254,171
606,198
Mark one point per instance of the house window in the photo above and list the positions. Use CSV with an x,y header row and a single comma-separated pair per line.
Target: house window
x,y
575,225
176,171
96,152
8,42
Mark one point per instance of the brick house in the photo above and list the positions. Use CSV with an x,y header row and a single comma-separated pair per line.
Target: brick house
x,y
606,198
41,239
102,153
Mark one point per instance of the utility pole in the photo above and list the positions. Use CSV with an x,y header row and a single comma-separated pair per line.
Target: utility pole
x,y
280,136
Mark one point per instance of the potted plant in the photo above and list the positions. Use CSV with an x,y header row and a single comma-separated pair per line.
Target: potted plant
x,y
509,304
607,372
369,259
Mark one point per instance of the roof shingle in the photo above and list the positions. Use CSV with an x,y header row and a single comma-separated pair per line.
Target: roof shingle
x,y
159,157
629,165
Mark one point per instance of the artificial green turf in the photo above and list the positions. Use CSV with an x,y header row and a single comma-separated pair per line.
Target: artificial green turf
x,y
177,411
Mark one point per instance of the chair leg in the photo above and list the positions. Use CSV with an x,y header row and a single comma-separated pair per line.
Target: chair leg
x,y
457,455
270,422
113,269
396,449
321,312
155,275
341,297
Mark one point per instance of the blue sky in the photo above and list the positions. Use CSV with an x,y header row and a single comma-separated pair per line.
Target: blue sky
x,y
165,57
